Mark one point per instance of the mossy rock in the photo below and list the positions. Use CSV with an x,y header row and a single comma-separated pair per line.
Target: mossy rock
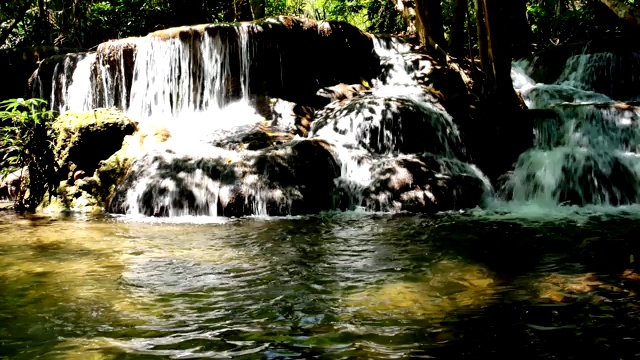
x,y
86,138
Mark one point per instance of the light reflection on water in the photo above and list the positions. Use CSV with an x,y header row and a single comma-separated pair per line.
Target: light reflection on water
x,y
332,285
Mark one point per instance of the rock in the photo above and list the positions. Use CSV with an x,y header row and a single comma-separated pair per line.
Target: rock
x,y
610,60
19,64
94,150
340,92
53,77
420,183
85,139
282,65
291,117
385,125
11,183
580,177
293,178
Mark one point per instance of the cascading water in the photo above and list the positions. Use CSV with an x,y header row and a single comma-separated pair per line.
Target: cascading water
x,y
194,81
392,148
587,145
390,141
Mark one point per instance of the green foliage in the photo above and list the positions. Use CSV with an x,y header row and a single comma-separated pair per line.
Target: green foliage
x,y
555,22
26,143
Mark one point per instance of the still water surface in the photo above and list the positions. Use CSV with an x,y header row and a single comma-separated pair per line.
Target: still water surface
x,y
343,286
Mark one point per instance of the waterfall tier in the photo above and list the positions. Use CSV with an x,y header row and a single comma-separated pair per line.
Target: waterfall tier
x,y
587,138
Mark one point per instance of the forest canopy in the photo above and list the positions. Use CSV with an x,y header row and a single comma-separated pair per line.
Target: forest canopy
x,y
86,23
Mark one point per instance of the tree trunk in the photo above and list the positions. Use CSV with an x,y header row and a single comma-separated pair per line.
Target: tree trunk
x,y
504,134
495,55
624,11
258,9
430,24
520,35
456,37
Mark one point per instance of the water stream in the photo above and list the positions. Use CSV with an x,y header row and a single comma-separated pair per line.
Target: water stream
x,y
333,286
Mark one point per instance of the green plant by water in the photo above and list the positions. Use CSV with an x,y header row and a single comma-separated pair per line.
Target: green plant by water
x,y
26,147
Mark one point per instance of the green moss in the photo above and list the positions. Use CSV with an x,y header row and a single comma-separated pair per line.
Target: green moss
x,y
89,151
86,138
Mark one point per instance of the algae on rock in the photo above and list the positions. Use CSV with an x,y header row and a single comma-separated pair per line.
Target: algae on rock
x,y
89,152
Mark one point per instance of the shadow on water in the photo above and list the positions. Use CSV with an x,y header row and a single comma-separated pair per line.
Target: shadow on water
x,y
327,286
564,289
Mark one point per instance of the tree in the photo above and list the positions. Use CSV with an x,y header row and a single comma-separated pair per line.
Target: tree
x,y
456,35
15,12
430,24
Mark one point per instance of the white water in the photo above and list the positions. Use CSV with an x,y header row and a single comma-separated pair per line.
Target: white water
x,y
79,94
190,88
587,147
400,122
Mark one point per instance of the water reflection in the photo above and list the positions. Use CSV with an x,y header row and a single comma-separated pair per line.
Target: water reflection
x,y
333,285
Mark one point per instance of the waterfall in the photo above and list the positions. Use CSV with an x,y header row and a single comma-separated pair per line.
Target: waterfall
x,y
587,145
389,141
392,147
79,94
202,80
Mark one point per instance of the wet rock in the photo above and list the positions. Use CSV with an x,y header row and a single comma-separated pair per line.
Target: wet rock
x,y
53,76
287,116
385,125
420,183
580,176
294,178
291,58
340,92
115,60
610,61
11,183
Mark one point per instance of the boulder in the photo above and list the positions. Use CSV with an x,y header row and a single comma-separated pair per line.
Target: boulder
x,y
385,125
85,139
293,178
91,191
418,183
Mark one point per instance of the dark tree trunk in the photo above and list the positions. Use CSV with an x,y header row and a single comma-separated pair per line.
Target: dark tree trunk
x,y
505,134
456,37
495,54
430,27
520,34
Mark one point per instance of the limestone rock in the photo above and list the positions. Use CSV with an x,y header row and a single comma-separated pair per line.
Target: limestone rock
x,y
419,183
85,139
293,178
384,125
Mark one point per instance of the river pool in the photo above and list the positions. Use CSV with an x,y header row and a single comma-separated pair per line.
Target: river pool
x,y
473,285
